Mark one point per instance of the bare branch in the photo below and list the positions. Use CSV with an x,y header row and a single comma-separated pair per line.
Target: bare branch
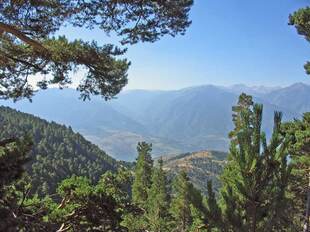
x,y
63,228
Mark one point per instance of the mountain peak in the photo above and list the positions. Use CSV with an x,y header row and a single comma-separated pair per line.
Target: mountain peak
x,y
299,85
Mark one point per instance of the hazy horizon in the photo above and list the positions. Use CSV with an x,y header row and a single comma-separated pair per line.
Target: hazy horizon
x,y
207,84
225,86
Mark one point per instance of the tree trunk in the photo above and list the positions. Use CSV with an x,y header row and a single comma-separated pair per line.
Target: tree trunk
x,y
254,218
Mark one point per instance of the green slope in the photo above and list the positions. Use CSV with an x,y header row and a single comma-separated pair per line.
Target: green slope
x,y
57,152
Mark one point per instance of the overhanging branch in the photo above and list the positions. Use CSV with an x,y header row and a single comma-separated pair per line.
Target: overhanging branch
x,y
20,35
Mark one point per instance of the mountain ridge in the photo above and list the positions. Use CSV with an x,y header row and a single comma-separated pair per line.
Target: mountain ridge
x,y
177,121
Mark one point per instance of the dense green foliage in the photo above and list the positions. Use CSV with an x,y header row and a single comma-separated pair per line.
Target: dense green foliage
x,y
82,206
29,47
158,200
300,161
186,205
300,130
163,206
87,207
57,151
13,155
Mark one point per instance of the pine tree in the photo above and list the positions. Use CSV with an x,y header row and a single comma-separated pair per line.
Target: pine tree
x,y
213,212
245,103
158,201
180,205
300,159
136,221
143,175
255,179
186,206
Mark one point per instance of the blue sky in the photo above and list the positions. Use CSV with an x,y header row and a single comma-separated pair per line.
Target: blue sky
x,y
229,42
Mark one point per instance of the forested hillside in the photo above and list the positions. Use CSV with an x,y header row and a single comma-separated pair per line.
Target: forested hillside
x,y
57,151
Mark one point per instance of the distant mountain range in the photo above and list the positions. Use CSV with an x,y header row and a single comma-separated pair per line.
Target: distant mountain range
x,y
186,120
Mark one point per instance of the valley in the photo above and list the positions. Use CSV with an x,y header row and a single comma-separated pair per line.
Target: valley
x,y
175,122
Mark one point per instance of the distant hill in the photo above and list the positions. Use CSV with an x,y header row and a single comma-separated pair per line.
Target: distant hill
x,y
65,107
192,113
198,118
57,153
134,103
200,167
179,121
295,98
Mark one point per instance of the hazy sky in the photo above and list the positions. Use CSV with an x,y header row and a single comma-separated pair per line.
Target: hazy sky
x,y
229,42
